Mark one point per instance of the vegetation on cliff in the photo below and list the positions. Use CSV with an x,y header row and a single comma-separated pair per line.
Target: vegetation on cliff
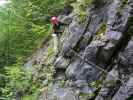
x,y
24,25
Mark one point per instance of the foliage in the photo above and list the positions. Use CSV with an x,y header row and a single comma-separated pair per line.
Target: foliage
x,y
26,84
80,9
124,2
50,54
24,26
101,30
19,82
98,3
83,96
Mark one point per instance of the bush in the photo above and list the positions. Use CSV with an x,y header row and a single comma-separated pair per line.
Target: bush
x,y
80,9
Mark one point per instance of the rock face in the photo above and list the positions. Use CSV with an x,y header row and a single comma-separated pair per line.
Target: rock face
x,y
96,58
125,67
90,56
61,94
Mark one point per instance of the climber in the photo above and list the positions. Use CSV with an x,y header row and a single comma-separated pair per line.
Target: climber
x,y
58,28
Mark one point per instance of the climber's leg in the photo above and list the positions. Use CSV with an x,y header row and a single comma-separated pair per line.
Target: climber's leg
x,y
56,42
59,42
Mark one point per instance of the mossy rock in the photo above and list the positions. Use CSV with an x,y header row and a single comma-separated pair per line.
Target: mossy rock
x,y
124,2
130,28
80,9
101,30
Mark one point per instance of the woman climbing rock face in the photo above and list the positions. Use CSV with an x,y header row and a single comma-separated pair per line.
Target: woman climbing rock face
x,y
57,30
